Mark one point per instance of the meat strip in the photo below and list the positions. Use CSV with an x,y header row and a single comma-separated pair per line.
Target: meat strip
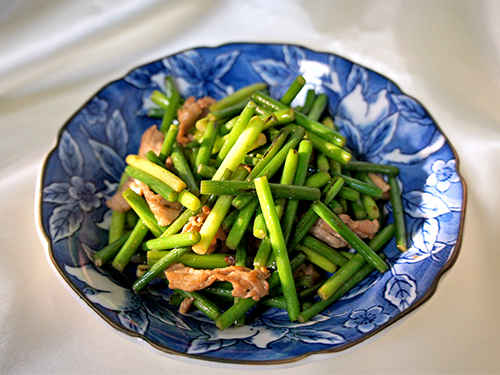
x,y
192,110
186,305
379,182
117,202
307,271
152,139
325,233
247,283
363,228
165,212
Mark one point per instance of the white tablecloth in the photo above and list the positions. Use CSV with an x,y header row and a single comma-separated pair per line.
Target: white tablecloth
x,y
55,54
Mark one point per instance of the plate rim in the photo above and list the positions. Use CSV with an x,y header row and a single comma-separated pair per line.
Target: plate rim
x,y
225,363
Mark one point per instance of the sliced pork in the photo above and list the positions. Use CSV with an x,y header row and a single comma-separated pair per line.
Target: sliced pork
x,y
186,305
325,233
379,182
247,283
165,212
192,110
152,139
363,228
307,271
117,202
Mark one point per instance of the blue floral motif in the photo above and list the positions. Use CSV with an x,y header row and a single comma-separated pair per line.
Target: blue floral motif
x,y
65,220
72,200
117,134
198,77
142,79
424,238
401,291
85,193
363,286
109,160
365,117
147,83
77,196
101,290
258,335
280,74
423,210
421,204
95,111
443,174
70,155
411,110
332,80
367,320
381,123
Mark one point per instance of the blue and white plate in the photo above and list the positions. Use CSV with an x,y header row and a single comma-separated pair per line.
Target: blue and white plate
x,y
382,125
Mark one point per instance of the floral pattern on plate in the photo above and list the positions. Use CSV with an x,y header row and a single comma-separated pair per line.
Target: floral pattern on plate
x,y
381,124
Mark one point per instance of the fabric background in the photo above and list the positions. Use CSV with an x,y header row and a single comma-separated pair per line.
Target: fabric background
x,y
56,54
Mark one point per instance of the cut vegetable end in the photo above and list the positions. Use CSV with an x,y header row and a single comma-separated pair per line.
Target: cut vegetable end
x,y
261,234
219,325
189,200
117,266
323,296
345,157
